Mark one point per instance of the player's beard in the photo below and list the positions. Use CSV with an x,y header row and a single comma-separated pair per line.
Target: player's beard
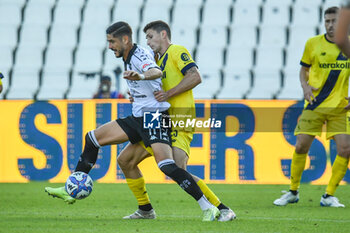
x,y
120,53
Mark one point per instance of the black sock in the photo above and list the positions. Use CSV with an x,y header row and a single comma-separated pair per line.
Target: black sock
x,y
182,178
146,207
89,156
222,207
295,192
326,195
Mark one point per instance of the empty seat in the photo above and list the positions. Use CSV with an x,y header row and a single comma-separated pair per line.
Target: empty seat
x,y
155,13
216,16
93,36
293,57
314,3
246,14
297,40
266,84
166,4
33,36
17,3
244,36
83,87
28,58
238,58
188,4
331,3
74,3
104,3
60,58
191,20
68,15
305,15
37,15
269,58
24,83
46,3
214,3
278,2
211,80
213,36
8,36
209,58
291,87
96,15
128,13
276,14
185,36
10,15
248,2
54,84
273,36
299,35
6,58
88,59
237,82
62,36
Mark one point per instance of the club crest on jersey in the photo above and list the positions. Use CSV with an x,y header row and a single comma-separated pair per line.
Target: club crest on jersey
x,y
185,57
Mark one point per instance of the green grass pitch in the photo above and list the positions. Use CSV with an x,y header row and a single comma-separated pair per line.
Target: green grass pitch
x,y
27,208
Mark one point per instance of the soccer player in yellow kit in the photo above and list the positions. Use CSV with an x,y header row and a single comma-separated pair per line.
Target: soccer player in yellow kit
x,y
324,77
180,76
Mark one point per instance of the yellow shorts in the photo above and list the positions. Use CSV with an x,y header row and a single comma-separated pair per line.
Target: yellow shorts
x,y
180,139
311,122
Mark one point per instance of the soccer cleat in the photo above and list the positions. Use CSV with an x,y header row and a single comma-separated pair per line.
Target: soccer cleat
x,y
286,198
60,193
330,201
226,215
210,214
141,214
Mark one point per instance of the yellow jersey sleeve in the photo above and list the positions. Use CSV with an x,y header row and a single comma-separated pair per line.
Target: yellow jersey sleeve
x,y
183,59
306,59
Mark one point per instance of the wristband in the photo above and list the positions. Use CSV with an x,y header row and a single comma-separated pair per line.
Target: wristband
x,y
142,77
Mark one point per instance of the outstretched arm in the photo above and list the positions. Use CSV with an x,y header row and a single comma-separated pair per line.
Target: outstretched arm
x,y
150,74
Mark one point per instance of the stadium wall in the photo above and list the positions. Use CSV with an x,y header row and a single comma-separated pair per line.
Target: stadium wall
x,y
43,141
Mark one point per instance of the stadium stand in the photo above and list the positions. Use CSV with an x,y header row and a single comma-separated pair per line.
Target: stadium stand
x,y
51,49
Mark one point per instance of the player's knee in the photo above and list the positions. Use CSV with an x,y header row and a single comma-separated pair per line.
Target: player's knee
x,y
301,148
167,166
344,151
124,163
91,141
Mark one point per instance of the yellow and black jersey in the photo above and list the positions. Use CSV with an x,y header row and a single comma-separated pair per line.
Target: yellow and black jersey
x,y
329,72
174,64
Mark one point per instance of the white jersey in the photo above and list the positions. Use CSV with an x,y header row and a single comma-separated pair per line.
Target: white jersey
x,y
140,60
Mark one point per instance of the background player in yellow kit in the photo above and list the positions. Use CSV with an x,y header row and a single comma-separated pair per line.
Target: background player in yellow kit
x,y
180,76
324,77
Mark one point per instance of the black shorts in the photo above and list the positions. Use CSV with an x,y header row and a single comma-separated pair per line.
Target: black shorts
x,y
134,128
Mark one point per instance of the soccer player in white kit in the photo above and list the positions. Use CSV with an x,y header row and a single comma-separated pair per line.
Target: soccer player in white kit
x,y
143,77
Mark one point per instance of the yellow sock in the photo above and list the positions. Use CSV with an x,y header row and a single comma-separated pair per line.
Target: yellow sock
x,y
297,168
212,198
338,172
138,187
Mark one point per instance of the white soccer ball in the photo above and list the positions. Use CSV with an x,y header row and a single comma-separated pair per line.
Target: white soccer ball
x,y
79,185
